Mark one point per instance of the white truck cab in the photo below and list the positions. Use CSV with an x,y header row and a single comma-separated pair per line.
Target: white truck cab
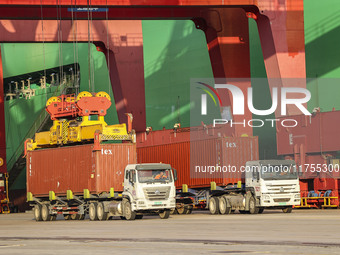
x,y
275,183
149,188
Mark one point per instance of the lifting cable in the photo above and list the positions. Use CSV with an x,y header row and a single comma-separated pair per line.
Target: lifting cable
x,y
108,48
75,47
88,44
43,39
92,61
77,54
59,32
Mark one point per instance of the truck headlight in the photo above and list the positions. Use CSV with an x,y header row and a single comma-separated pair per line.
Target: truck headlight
x,y
266,197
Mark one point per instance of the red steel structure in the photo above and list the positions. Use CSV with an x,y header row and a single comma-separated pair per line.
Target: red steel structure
x,y
119,32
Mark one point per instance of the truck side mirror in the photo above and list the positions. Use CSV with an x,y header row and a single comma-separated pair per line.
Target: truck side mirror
x,y
175,174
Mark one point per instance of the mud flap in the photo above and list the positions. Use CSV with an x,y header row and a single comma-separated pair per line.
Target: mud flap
x,y
248,196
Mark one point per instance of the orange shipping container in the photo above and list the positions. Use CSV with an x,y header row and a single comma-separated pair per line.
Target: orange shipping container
x,y
223,156
77,168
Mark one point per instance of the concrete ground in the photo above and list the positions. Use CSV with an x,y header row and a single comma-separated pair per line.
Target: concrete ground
x,y
273,232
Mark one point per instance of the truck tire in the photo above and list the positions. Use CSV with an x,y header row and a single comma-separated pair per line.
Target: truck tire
x,y
213,205
37,212
182,210
75,216
93,211
253,209
128,213
165,214
45,213
287,210
102,215
67,217
224,206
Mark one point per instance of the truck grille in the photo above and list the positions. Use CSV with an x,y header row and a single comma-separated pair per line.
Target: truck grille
x,y
277,200
157,193
281,188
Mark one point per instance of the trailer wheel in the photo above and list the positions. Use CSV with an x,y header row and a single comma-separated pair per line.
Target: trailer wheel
x,y
37,212
93,211
182,210
45,213
102,215
224,206
287,210
213,205
128,213
67,216
164,214
75,216
253,209
189,210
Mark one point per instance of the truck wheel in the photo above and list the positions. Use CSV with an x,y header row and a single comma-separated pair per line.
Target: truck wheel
x,y
261,210
182,210
102,215
165,214
139,217
45,213
67,217
253,209
37,212
213,205
223,206
128,213
93,211
75,216
287,210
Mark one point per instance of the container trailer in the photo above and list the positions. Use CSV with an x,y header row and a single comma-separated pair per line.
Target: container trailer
x,y
71,172
101,180
222,174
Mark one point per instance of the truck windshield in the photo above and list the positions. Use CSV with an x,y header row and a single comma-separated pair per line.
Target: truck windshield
x,y
279,172
150,176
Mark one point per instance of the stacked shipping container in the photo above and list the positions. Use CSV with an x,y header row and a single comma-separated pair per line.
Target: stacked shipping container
x,y
201,162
